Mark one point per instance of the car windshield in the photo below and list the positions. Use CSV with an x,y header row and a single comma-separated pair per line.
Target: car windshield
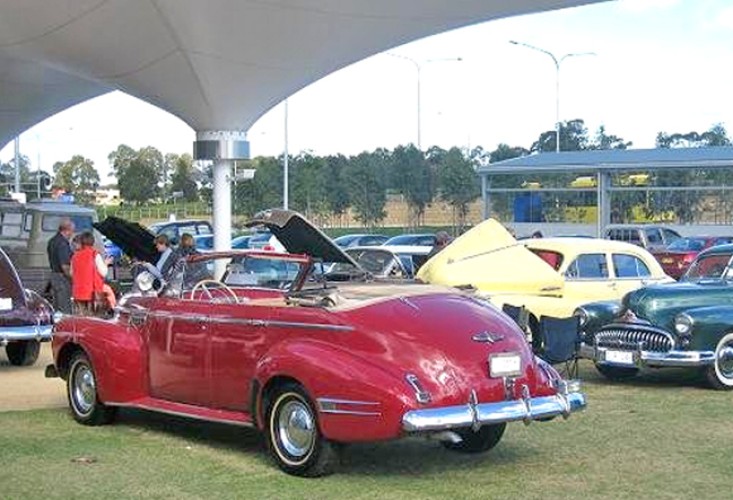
x,y
346,240
81,222
276,271
713,266
687,245
411,239
205,242
241,242
374,261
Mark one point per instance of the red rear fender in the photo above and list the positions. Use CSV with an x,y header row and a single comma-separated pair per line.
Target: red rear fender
x,y
357,400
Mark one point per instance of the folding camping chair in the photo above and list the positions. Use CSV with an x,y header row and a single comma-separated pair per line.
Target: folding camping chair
x,y
560,342
519,314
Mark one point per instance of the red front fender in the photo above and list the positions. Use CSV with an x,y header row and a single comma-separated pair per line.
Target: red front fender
x,y
115,351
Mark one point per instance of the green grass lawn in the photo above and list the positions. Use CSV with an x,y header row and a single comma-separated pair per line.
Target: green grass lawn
x,y
663,436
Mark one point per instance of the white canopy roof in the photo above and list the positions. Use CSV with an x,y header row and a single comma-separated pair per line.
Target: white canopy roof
x,y
216,64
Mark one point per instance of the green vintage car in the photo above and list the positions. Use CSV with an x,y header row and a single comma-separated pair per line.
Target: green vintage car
x,y
685,324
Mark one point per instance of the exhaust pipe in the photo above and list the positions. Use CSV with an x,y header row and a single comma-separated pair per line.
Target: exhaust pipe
x,y
446,436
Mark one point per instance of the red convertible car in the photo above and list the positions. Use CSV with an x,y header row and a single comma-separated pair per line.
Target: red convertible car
x,y
251,338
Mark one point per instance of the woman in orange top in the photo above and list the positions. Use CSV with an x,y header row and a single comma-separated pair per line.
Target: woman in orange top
x,y
88,270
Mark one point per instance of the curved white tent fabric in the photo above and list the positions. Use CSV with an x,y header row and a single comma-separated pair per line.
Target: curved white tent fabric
x,y
217,64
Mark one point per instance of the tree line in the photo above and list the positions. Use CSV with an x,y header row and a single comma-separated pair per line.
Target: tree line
x,y
329,186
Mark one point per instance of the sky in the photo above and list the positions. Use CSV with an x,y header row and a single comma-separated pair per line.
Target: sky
x,y
657,66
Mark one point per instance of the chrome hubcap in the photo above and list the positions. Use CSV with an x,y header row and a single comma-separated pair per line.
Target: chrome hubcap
x,y
296,428
725,361
84,389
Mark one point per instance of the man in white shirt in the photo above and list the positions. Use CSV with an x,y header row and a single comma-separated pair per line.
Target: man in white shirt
x,y
165,260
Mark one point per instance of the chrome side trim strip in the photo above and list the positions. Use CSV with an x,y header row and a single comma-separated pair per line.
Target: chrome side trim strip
x,y
180,316
346,401
332,406
200,318
454,417
310,326
353,412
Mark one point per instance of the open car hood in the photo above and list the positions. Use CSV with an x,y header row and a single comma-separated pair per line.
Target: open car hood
x,y
298,235
489,259
131,237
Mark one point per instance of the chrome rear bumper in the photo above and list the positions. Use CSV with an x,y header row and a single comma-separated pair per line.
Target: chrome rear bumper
x,y
642,358
25,332
478,414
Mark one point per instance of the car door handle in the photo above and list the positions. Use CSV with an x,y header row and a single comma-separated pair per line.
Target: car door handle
x,y
550,289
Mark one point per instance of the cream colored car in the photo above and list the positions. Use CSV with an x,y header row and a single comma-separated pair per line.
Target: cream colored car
x,y
548,276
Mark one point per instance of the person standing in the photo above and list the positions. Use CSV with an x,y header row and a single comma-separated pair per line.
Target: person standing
x,y
59,259
442,240
165,259
88,270
187,246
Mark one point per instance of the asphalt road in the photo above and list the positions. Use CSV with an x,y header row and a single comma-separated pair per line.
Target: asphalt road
x,y
25,388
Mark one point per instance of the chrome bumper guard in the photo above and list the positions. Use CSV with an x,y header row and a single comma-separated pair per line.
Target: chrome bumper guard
x,y
643,358
475,415
26,332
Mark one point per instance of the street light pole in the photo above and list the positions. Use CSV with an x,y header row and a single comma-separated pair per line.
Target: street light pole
x,y
418,69
16,161
557,63
286,187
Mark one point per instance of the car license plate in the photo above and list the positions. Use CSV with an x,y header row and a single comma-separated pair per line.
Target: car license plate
x,y
505,364
667,260
620,357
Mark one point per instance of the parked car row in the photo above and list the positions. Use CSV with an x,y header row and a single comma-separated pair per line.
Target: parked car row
x,y
685,324
640,317
548,276
241,336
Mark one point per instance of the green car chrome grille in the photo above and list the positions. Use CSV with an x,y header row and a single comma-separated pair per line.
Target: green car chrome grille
x,y
633,337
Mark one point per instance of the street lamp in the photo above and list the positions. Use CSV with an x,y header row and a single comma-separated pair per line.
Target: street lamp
x,y
557,81
286,185
418,69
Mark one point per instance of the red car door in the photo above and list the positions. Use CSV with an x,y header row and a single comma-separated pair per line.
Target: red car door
x,y
178,350
239,337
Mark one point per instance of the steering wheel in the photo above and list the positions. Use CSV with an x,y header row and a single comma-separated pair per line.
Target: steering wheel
x,y
207,285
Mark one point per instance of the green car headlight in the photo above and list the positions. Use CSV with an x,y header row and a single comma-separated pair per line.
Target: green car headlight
x,y
683,325
582,316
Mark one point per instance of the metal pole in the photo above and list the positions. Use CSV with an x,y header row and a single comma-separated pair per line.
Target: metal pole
x,y
222,205
38,168
17,164
557,63
419,120
557,104
418,68
285,161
